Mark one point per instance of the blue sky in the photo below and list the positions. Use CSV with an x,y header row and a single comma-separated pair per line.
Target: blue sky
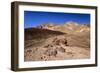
x,y
35,18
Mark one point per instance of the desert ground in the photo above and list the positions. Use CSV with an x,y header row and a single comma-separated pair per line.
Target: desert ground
x,y
57,42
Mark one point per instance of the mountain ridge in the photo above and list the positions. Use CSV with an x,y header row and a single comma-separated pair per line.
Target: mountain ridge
x,y
66,28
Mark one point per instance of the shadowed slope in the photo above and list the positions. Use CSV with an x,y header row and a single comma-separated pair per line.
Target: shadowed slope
x,y
35,33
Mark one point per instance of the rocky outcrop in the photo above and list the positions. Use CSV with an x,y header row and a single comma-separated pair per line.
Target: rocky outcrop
x,y
57,48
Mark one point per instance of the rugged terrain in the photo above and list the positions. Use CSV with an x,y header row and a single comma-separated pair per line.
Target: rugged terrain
x,y
57,42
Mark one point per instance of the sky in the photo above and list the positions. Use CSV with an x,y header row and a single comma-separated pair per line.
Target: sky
x,y
35,18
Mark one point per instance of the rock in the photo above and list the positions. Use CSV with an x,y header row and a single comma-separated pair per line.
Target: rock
x,y
51,52
61,49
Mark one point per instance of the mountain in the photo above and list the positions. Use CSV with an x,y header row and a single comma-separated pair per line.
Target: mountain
x,y
51,41
69,27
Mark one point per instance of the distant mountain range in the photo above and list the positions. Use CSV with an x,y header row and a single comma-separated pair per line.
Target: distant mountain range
x,y
69,27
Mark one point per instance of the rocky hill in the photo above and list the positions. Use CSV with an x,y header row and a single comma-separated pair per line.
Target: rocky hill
x,y
57,42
